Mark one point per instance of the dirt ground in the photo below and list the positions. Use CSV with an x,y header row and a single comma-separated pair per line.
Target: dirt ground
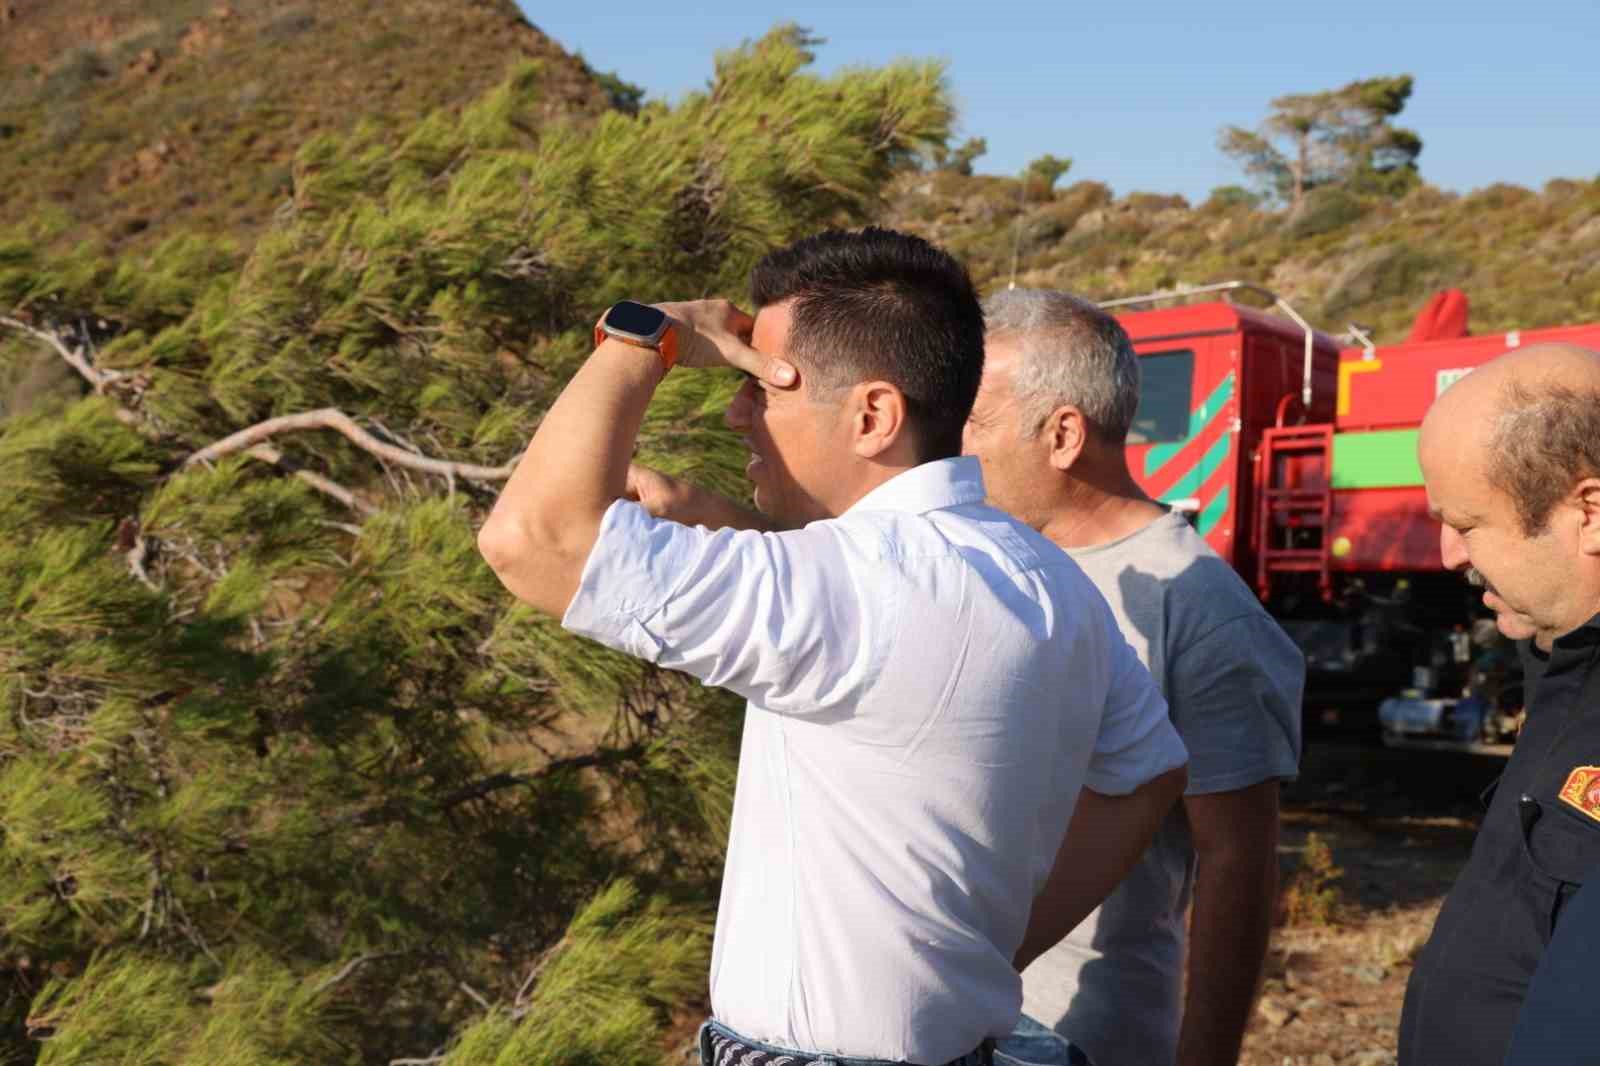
x,y
1399,825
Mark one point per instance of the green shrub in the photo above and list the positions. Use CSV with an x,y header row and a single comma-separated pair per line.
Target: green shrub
x,y
1323,211
74,75
1226,197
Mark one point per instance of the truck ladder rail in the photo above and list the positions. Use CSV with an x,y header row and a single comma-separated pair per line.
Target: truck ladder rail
x,y
1294,493
1226,287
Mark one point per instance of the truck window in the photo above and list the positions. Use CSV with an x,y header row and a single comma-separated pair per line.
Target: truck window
x,y
1166,381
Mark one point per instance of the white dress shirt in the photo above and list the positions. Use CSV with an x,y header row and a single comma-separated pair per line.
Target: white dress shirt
x,y
929,683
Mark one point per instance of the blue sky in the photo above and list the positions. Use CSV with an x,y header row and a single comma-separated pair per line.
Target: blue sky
x,y
1134,92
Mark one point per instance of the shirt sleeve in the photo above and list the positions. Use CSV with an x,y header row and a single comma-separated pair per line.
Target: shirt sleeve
x,y
1137,741
1236,701
778,618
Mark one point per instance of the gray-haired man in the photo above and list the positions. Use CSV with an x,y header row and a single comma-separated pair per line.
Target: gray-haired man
x,y
1059,393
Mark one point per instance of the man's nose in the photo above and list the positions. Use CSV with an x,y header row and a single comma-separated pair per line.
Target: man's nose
x,y
737,416
1453,549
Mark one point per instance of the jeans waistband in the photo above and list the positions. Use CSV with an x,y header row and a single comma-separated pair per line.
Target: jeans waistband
x,y
721,1046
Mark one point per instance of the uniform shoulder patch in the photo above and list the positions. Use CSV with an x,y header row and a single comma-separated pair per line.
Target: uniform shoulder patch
x,y
1582,790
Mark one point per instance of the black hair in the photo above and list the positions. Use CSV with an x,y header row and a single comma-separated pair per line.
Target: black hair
x,y
882,305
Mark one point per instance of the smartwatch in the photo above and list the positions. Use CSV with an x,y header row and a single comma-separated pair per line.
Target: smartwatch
x,y
642,326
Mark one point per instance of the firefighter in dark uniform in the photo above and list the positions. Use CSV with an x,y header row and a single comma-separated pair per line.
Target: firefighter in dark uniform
x,y
1511,458
1558,1025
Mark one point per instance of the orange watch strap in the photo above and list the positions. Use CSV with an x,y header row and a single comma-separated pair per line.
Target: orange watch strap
x,y
669,346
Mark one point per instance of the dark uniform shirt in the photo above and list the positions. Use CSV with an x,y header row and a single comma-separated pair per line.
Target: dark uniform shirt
x,y
1531,856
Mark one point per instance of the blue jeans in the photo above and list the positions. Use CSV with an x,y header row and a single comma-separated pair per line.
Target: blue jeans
x,y
1034,1044
975,1058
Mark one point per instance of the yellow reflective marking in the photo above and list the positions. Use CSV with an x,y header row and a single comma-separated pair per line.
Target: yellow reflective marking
x,y
1362,366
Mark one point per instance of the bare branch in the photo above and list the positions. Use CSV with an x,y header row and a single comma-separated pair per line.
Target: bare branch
x,y
136,557
334,419
75,358
544,960
351,967
475,994
268,454
480,789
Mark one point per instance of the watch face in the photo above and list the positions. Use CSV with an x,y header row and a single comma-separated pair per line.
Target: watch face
x,y
636,319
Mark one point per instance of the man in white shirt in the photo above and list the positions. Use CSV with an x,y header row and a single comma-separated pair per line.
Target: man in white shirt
x,y
930,683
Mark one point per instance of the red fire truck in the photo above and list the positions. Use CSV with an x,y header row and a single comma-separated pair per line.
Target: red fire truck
x,y
1296,460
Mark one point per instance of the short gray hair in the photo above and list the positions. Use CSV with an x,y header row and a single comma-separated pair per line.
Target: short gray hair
x,y
1545,440
1071,352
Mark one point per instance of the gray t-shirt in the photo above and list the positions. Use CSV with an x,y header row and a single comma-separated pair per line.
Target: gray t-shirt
x,y
1233,680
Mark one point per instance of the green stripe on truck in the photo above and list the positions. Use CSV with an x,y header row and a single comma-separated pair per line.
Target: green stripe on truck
x,y
1383,459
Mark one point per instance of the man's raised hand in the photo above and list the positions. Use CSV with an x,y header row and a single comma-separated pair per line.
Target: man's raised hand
x,y
714,333
662,495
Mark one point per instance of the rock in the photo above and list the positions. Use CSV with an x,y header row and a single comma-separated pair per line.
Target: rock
x,y
1371,1058
145,63
1091,221
198,38
1275,1013
1368,973
145,163
1308,1005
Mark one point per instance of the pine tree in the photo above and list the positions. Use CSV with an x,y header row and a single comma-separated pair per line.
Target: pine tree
x,y
284,777
1341,135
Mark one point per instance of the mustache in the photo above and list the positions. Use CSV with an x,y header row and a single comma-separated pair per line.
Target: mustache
x,y
1476,579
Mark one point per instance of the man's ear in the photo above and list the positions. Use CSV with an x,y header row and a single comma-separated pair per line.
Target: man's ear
x,y
877,418
1586,495
1067,432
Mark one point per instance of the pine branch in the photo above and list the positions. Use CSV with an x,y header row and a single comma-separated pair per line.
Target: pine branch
x,y
335,419
389,812
498,782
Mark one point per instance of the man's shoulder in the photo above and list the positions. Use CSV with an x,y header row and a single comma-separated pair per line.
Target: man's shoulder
x,y
1170,556
972,532
1168,568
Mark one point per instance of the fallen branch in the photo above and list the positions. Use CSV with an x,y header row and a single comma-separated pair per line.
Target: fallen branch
x,y
336,420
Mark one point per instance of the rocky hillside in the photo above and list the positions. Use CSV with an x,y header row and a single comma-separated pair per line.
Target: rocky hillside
x,y
1525,258
126,121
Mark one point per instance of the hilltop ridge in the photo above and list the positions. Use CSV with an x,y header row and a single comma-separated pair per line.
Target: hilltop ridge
x,y
1526,258
129,120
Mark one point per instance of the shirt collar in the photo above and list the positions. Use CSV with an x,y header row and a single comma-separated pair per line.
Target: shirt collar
x,y
929,487
1585,637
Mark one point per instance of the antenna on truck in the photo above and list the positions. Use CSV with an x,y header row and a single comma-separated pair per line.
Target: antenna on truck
x,y
1016,229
